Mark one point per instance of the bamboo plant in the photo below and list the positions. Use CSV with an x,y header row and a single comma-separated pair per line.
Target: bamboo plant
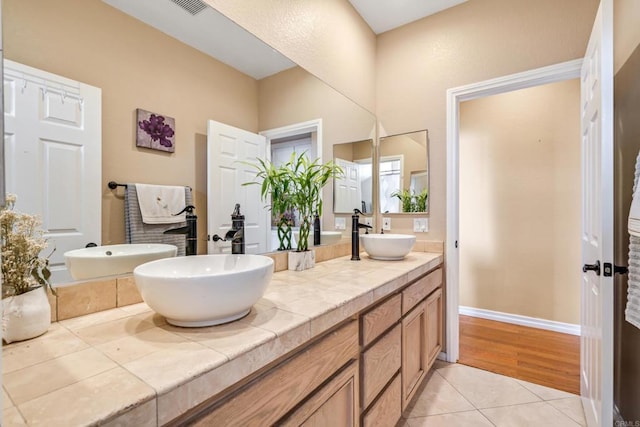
x,y
308,178
296,185
276,188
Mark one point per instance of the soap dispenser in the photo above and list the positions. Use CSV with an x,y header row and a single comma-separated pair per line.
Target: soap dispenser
x,y
316,230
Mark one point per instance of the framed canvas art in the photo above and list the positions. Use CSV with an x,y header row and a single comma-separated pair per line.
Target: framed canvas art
x,y
155,131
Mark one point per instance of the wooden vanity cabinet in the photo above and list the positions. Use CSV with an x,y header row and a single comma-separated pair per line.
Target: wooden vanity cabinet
x,y
421,343
363,373
273,395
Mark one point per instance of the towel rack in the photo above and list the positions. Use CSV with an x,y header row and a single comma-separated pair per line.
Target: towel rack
x,y
113,185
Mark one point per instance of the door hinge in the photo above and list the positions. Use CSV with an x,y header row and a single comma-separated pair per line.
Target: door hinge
x,y
456,244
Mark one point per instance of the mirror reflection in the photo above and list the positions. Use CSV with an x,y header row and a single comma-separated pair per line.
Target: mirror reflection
x,y
180,78
354,190
403,171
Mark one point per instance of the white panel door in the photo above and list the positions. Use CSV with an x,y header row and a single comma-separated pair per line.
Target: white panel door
x,y
228,147
53,157
348,195
596,340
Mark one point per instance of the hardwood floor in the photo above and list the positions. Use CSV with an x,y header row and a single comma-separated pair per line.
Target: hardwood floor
x,y
539,356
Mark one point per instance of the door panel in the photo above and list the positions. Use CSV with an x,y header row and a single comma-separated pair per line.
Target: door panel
x,y
53,157
597,221
229,147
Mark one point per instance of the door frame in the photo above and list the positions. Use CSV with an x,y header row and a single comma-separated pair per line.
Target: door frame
x,y
310,126
536,77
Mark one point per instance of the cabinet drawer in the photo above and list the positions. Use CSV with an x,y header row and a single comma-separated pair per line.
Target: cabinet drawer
x,y
419,290
381,318
380,363
386,411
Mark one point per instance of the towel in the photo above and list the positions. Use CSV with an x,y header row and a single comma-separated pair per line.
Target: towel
x,y
160,203
138,232
632,311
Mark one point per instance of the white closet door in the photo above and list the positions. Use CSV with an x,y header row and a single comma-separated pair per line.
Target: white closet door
x,y
53,156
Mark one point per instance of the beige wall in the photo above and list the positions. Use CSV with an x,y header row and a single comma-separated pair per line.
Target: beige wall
x,y
327,38
413,147
136,66
472,42
294,96
520,202
626,30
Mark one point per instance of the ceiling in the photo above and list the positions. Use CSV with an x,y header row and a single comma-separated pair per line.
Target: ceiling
x,y
385,15
203,28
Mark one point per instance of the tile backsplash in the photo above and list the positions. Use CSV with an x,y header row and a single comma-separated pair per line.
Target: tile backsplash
x,y
82,298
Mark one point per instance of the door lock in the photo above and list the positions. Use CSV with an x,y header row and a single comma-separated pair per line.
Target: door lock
x,y
592,267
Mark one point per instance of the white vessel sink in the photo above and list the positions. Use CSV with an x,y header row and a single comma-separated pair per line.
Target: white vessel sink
x,y
204,290
326,237
387,247
98,261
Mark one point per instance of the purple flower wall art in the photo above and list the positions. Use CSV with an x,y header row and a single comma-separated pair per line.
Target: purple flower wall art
x,y
155,131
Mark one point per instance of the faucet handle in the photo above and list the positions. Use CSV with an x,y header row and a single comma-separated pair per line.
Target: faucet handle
x,y
357,211
188,209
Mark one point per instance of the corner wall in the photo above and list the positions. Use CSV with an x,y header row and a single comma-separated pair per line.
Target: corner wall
x,y
472,42
328,38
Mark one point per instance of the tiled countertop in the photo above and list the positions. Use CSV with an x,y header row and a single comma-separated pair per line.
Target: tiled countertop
x,y
127,366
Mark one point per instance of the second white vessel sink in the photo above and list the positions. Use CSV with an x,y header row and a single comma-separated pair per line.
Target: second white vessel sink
x,y
98,261
387,247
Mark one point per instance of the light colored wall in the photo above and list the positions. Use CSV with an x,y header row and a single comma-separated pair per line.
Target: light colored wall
x,y
294,96
520,202
414,151
327,38
626,30
472,42
136,66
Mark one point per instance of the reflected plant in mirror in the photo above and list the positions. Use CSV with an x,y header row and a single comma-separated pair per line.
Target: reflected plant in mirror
x,y
275,188
403,172
354,189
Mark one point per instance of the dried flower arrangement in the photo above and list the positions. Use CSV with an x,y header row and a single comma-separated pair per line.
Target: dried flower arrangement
x,y
23,269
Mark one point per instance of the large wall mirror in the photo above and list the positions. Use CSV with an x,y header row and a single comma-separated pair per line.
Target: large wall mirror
x,y
177,78
354,190
403,172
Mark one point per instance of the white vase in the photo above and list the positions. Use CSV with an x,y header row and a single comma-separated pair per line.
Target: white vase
x,y
26,315
299,261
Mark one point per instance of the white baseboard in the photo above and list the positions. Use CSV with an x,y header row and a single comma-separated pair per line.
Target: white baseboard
x,y
516,319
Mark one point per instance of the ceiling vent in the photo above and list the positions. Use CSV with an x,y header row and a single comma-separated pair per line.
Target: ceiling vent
x,y
192,6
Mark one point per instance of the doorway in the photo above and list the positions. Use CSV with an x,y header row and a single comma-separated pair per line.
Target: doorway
x,y
554,73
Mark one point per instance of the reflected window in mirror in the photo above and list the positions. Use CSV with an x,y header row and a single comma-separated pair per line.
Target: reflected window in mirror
x,y
354,190
403,173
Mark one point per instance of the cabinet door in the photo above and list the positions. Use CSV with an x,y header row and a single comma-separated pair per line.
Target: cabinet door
x,y
333,405
380,363
414,351
434,326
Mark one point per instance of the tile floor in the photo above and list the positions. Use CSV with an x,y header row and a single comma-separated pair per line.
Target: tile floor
x,y
457,395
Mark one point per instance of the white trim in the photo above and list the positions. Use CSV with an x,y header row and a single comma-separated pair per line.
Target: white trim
x,y
296,129
553,73
516,319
